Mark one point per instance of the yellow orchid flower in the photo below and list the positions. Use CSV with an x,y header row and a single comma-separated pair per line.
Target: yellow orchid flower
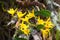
x,y
20,14
45,32
48,23
25,19
30,14
24,28
12,11
40,21
22,25
27,31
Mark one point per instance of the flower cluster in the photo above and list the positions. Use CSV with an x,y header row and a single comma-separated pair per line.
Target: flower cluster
x,y
47,27
27,16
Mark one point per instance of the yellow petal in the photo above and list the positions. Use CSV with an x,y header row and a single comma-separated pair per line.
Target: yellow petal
x,y
24,28
30,14
25,19
40,21
22,25
20,14
45,32
12,11
48,24
27,31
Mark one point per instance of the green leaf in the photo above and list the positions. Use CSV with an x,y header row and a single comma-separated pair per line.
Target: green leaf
x,y
43,12
21,32
37,13
16,38
40,27
22,39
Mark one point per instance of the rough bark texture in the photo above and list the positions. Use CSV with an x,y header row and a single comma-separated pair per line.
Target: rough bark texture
x,y
57,1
